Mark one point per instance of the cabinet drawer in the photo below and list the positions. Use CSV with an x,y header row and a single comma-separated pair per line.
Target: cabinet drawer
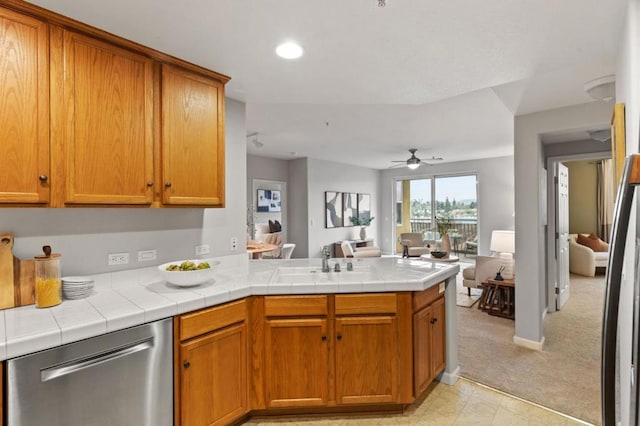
x,y
426,297
374,303
210,319
283,306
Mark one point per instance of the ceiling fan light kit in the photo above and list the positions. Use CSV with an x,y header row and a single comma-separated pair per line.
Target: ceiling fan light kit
x,y
414,162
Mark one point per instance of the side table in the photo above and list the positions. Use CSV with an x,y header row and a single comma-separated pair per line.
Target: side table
x,y
498,298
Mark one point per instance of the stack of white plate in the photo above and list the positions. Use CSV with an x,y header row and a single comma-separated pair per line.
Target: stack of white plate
x,y
77,287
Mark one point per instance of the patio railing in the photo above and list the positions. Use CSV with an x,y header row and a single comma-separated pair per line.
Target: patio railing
x,y
463,230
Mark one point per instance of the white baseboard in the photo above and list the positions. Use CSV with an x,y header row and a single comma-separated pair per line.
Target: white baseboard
x,y
530,344
449,378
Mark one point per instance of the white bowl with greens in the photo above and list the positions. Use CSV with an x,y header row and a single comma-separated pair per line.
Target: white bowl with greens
x,y
187,273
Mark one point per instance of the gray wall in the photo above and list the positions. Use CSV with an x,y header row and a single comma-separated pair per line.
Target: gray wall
x,y
329,176
268,173
529,203
628,91
298,190
85,236
267,168
495,195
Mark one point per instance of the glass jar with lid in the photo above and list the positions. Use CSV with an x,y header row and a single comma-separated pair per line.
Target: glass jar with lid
x,y
48,287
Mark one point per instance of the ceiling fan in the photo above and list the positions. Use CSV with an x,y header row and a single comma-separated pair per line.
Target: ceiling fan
x,y
413,162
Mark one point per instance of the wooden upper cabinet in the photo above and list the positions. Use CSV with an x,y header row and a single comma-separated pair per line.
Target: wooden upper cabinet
x,y
24,109
192,138
106,121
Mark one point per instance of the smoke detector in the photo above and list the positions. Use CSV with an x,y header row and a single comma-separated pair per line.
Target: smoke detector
x,y
602,89
603,135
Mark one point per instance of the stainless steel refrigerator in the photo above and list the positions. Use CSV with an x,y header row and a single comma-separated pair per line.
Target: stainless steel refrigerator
x,y
615,381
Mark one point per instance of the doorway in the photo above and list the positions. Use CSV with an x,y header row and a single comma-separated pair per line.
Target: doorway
x,y
565,220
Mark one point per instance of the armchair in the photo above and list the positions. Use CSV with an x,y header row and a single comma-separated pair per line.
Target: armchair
x,y
485,267
413,244
349,251
583,260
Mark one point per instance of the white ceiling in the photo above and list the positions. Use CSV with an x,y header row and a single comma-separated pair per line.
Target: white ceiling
x,y
443,76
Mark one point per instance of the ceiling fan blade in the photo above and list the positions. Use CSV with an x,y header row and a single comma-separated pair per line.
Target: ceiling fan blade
x,y
396,166
398,161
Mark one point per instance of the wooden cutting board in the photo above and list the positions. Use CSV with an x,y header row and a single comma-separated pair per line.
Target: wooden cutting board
x,y
7,273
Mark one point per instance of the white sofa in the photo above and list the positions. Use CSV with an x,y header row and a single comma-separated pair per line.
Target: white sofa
x,y
583,260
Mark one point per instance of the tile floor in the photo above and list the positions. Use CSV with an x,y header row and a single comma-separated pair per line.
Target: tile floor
x,y
466,403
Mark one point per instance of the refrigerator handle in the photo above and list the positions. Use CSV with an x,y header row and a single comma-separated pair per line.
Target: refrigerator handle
x,y
622,212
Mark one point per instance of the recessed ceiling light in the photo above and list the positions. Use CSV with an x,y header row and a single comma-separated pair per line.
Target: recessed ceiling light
x,y
289,50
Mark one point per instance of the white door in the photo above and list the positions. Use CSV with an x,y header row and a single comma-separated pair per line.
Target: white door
x,y
562,234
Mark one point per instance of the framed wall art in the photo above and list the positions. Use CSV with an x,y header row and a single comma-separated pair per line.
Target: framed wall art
x,y
364,206
333,209
349,207
269,201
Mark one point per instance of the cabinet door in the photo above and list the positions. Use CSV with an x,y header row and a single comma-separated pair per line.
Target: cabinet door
x,y
108,132
192,138
296,358
422,365
214,377
24,109
438,337
366,360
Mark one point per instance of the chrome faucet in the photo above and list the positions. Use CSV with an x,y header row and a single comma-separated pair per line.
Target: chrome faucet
x,y
326,254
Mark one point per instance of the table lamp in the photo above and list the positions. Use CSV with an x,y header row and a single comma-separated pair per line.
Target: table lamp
x,y
504,243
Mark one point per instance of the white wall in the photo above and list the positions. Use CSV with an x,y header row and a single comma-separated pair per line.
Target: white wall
x,y
85,236
530,232
329,176
495,195
628,91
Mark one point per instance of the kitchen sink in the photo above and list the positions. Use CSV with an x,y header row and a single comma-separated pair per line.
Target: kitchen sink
x,y
314,274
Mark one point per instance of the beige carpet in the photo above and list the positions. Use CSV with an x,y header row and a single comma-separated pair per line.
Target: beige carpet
x,y
564,376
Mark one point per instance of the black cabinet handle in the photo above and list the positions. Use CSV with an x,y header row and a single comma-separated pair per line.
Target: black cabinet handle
x,y
186,364
324,338
168,184
150,184
339,337
43,178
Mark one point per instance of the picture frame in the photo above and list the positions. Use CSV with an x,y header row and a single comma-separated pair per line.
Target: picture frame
x,y
269,201
333,209
349,207
364,206
618,144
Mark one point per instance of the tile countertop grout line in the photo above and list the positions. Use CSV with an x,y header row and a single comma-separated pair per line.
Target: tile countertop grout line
x,y
252,279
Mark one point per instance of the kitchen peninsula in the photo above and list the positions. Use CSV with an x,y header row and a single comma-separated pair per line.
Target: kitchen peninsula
x,y
368,339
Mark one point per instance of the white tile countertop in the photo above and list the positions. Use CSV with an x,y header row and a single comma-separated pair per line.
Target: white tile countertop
x,y
129,298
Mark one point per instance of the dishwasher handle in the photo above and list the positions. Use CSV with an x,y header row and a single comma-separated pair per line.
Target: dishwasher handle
x,y
93,360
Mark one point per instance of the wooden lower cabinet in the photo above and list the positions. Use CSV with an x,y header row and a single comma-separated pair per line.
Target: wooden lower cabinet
x,y
307,354
428,343
297,362
212,366
366,360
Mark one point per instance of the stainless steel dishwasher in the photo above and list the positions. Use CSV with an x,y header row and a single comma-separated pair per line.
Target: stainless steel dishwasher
x,y
121,378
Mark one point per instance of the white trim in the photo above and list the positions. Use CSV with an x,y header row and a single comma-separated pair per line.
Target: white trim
x,y
530,344
544,314
449,378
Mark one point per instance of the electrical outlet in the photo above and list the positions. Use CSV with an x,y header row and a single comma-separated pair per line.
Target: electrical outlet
x,y
146,255
118,259
234,243
203,249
